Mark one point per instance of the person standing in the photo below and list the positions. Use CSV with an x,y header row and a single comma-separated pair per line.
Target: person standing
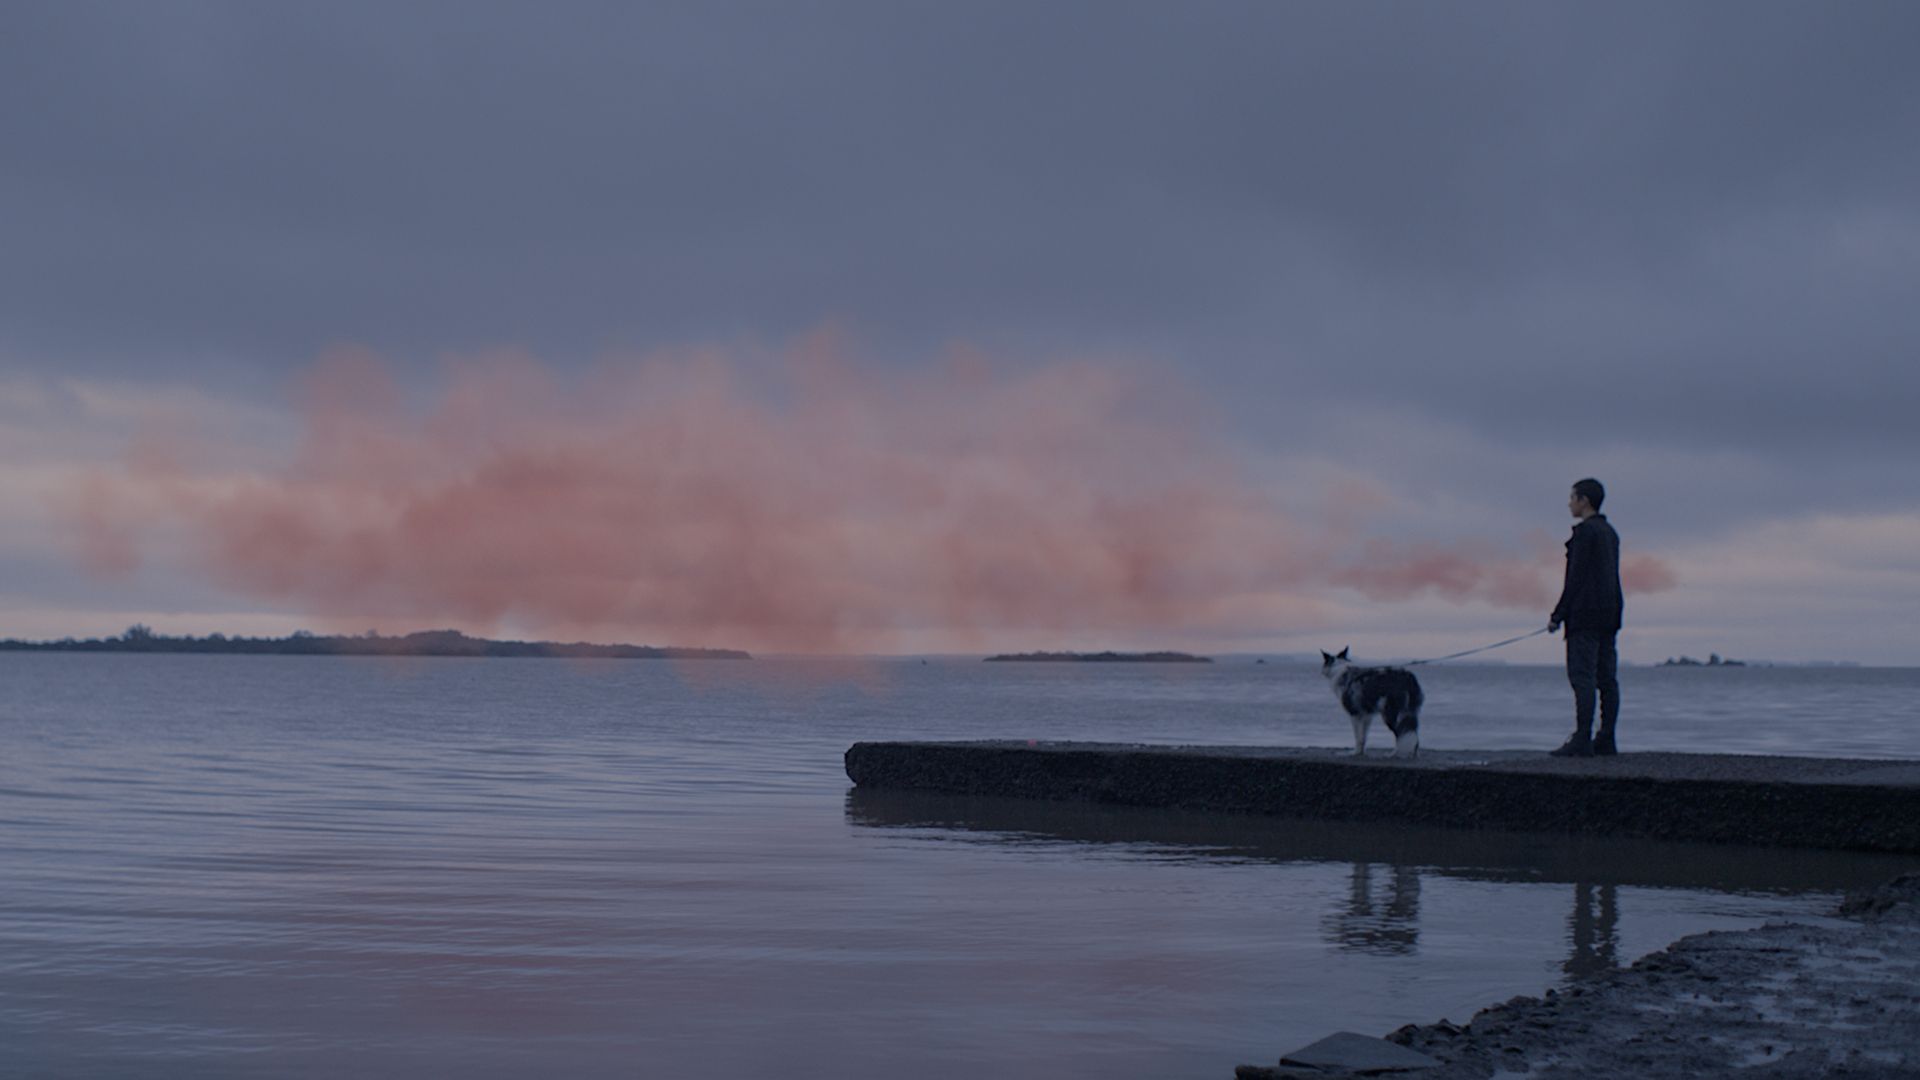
x,y
1590,608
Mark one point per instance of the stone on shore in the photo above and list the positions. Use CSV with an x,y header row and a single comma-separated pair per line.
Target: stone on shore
x,y
1346,1051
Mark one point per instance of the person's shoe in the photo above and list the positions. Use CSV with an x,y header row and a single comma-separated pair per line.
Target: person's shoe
x,y
1603,745
1577,745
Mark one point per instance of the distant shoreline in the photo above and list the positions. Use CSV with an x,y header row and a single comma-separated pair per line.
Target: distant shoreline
x,y
1103,658
140,639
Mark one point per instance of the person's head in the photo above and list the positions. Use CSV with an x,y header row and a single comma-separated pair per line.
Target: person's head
x,y
1586,497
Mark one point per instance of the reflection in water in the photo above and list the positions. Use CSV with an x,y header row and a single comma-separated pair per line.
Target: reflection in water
x,y
1384,920
1594,929
1379,912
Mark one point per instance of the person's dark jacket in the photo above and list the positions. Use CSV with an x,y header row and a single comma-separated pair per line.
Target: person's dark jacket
x,y
1590,599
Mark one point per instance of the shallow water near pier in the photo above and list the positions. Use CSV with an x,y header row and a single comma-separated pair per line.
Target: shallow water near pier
x,y
290,866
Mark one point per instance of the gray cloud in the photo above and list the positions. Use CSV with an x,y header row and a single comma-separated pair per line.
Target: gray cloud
x,y
1689,226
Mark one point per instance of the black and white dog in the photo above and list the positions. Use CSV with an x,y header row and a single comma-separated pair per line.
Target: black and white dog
x,y
1391,693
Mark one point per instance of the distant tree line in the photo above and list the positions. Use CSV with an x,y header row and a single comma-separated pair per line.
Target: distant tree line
x,y
1107,657
1712,660
141,638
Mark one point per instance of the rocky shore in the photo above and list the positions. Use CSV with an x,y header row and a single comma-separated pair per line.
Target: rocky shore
x,y
1787,1000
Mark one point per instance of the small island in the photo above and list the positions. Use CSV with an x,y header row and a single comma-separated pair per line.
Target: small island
x,y
1104,658
1712,660
142,639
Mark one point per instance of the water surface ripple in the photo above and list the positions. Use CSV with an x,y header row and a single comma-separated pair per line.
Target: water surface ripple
x,y
294,866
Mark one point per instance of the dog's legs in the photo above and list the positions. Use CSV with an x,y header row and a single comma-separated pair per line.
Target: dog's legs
x,y
1360,725
1402,717
1407,743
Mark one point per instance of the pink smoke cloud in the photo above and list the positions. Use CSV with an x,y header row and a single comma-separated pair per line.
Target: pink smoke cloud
x,y
1646,574
674,499
1390,571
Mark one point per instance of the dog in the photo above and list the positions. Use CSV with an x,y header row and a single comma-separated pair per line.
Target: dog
x,y
1390,693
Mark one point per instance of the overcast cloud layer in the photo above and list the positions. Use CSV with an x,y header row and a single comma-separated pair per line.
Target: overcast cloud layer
x,y
1452,256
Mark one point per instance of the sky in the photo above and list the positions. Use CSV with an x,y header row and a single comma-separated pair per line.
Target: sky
x,y
926,327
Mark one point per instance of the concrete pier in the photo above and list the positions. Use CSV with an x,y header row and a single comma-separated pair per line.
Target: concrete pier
x,y
1833,803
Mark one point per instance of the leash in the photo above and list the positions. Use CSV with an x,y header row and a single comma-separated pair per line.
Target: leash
x,y
1481,649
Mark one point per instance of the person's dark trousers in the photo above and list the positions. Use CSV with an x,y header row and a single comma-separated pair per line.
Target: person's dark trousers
x,y
1593,667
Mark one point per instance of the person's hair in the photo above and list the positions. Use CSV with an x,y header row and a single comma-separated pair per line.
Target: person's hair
x,y
1591,490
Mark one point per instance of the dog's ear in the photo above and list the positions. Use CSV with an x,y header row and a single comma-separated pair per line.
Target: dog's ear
x,y
1343,654
1326,657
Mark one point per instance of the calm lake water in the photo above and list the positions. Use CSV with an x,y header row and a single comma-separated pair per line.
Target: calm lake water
x,y
282,866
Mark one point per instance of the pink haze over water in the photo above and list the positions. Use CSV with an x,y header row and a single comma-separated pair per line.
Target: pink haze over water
x,y
692,497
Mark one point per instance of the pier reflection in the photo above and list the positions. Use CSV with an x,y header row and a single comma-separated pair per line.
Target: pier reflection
x,y
1378,912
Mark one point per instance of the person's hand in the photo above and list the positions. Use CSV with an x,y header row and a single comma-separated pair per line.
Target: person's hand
x,y
1553,625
